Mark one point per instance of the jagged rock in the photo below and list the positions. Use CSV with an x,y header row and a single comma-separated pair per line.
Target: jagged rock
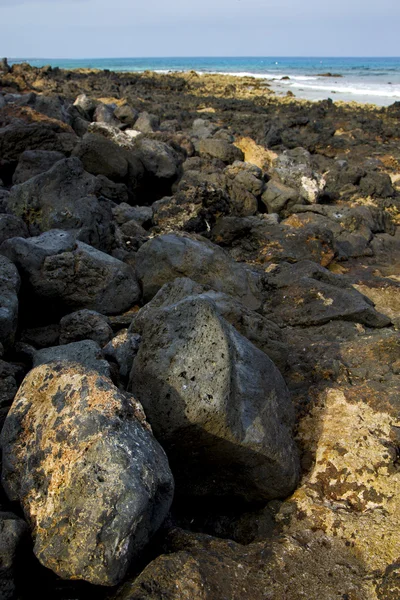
x,y
306,294
88,105
9,375
124,213
377,185
85,325
224,151
9,288
161,164
167,257
217,403
147,123
93,482
116,192
105,114
122,349
73,275
11,226
262,240
64,198
101,156
293,168
126,114
42,337
85,352
34,162
260,331
278,197
13,535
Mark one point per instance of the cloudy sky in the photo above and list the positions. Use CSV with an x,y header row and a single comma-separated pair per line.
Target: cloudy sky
x,y
128,28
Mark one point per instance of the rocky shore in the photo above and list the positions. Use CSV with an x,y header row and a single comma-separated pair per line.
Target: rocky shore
x,y
199,340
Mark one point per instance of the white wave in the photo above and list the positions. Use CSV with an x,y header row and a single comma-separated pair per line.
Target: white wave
x,y
381,91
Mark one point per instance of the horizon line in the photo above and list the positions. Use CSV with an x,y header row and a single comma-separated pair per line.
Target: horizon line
x,y
197,56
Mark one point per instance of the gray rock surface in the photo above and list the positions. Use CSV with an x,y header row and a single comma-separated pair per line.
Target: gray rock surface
x,y
64,198
261,332
73,274
85,325
86,353
121,350
218,405
167,257
34,162
93,482
100,156
224,151
13,535
11,226
9,287
147,123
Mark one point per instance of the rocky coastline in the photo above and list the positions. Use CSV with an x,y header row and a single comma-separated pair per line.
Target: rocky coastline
x,y
199,340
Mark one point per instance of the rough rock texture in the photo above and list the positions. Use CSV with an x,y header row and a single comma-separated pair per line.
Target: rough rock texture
x,y
101,156
34,162
85,325
93,482
220,149
64,198
13,533
11,226
217,403
121,350
72,274
9,287
167,257
262,332
86,353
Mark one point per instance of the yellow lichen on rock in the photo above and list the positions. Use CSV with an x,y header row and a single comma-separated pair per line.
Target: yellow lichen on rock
x,y
353,490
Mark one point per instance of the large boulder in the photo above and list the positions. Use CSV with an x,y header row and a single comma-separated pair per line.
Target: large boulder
x,y
218,405
161,167
167,257
306,294
34,162
93,482
85,325
9,288
85,352
261,332
220,149
73,275
100,156
294,169
11,226
64,198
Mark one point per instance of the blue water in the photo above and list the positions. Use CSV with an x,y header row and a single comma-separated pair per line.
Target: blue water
x,y
375,80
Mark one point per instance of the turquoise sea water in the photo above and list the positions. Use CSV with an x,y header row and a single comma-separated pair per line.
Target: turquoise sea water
x,y
375,80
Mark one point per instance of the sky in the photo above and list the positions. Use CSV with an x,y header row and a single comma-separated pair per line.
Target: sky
x,y
153,28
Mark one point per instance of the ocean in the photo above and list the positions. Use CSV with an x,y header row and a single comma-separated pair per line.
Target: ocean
x,y
372,80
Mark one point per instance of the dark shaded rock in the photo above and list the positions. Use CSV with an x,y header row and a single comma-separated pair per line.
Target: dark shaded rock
x,y
124,213
116,192
93,482
126,114
161,164
4,66
147,123
278,197
86,104
64,198
167,257
258,240
85,352
42,337
377,185
220,149
261,332
14,534
105,114
10,376
11,226
217,403
101,156
73,275
306,294
34,162
121,350
9,288
85,325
